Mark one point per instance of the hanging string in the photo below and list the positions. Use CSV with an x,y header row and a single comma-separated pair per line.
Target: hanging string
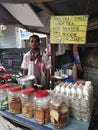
x,y
87,7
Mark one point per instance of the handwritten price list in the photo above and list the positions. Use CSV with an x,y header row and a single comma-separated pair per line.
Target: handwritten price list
x,y
68,29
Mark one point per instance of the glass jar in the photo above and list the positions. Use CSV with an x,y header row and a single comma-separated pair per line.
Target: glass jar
x,y
4,96
14,99
59,111
41,107
27,102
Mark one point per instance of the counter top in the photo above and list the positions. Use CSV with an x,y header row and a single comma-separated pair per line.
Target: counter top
x,y
30,123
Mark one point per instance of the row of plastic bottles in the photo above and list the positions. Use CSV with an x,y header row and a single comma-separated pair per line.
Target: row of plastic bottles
x,y
79,96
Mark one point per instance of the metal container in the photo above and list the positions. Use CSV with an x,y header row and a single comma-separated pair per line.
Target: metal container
x,y
26,81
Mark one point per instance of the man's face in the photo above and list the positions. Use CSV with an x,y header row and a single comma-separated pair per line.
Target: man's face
x,y
34,43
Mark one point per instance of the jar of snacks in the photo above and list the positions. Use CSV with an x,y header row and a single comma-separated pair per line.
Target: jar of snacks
x,y
14,99
59,112
27,102
4,96
41,107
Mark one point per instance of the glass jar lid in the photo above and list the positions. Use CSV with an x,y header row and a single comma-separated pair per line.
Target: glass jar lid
x,y
15,89
41,93
28,91
4,86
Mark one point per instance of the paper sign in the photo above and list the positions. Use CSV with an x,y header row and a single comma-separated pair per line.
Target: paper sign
x,y
68,29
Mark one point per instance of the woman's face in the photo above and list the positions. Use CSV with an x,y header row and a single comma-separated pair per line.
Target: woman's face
x,y
34,43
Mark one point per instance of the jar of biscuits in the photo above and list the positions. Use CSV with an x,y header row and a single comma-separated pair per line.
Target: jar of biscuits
x,y
59,111
27,102
4,96
14,99
41,107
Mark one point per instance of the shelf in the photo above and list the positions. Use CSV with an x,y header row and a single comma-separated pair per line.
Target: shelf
x,y
31,124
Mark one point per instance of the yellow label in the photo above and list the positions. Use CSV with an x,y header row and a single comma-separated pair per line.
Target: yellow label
x,y
68,29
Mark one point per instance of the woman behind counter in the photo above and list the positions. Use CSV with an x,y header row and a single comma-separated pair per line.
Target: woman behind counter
x,y
32,62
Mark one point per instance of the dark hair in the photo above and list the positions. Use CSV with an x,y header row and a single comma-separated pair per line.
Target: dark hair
x,y
35,36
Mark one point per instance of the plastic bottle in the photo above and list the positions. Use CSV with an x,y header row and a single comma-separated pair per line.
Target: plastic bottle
x,y
57,88
87,101
78,101
70,82
74,98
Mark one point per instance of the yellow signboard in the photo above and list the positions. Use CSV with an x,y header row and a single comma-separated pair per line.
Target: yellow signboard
x,y
68,29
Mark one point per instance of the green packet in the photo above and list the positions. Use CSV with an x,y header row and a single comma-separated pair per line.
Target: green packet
x,y
4,103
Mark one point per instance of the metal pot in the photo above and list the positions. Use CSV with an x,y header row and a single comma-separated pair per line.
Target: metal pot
x,y
26,81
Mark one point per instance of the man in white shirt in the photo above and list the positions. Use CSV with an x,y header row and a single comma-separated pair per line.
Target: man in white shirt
x,y
32,61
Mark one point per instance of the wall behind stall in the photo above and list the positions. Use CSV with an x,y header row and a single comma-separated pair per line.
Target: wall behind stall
x,y
12,38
